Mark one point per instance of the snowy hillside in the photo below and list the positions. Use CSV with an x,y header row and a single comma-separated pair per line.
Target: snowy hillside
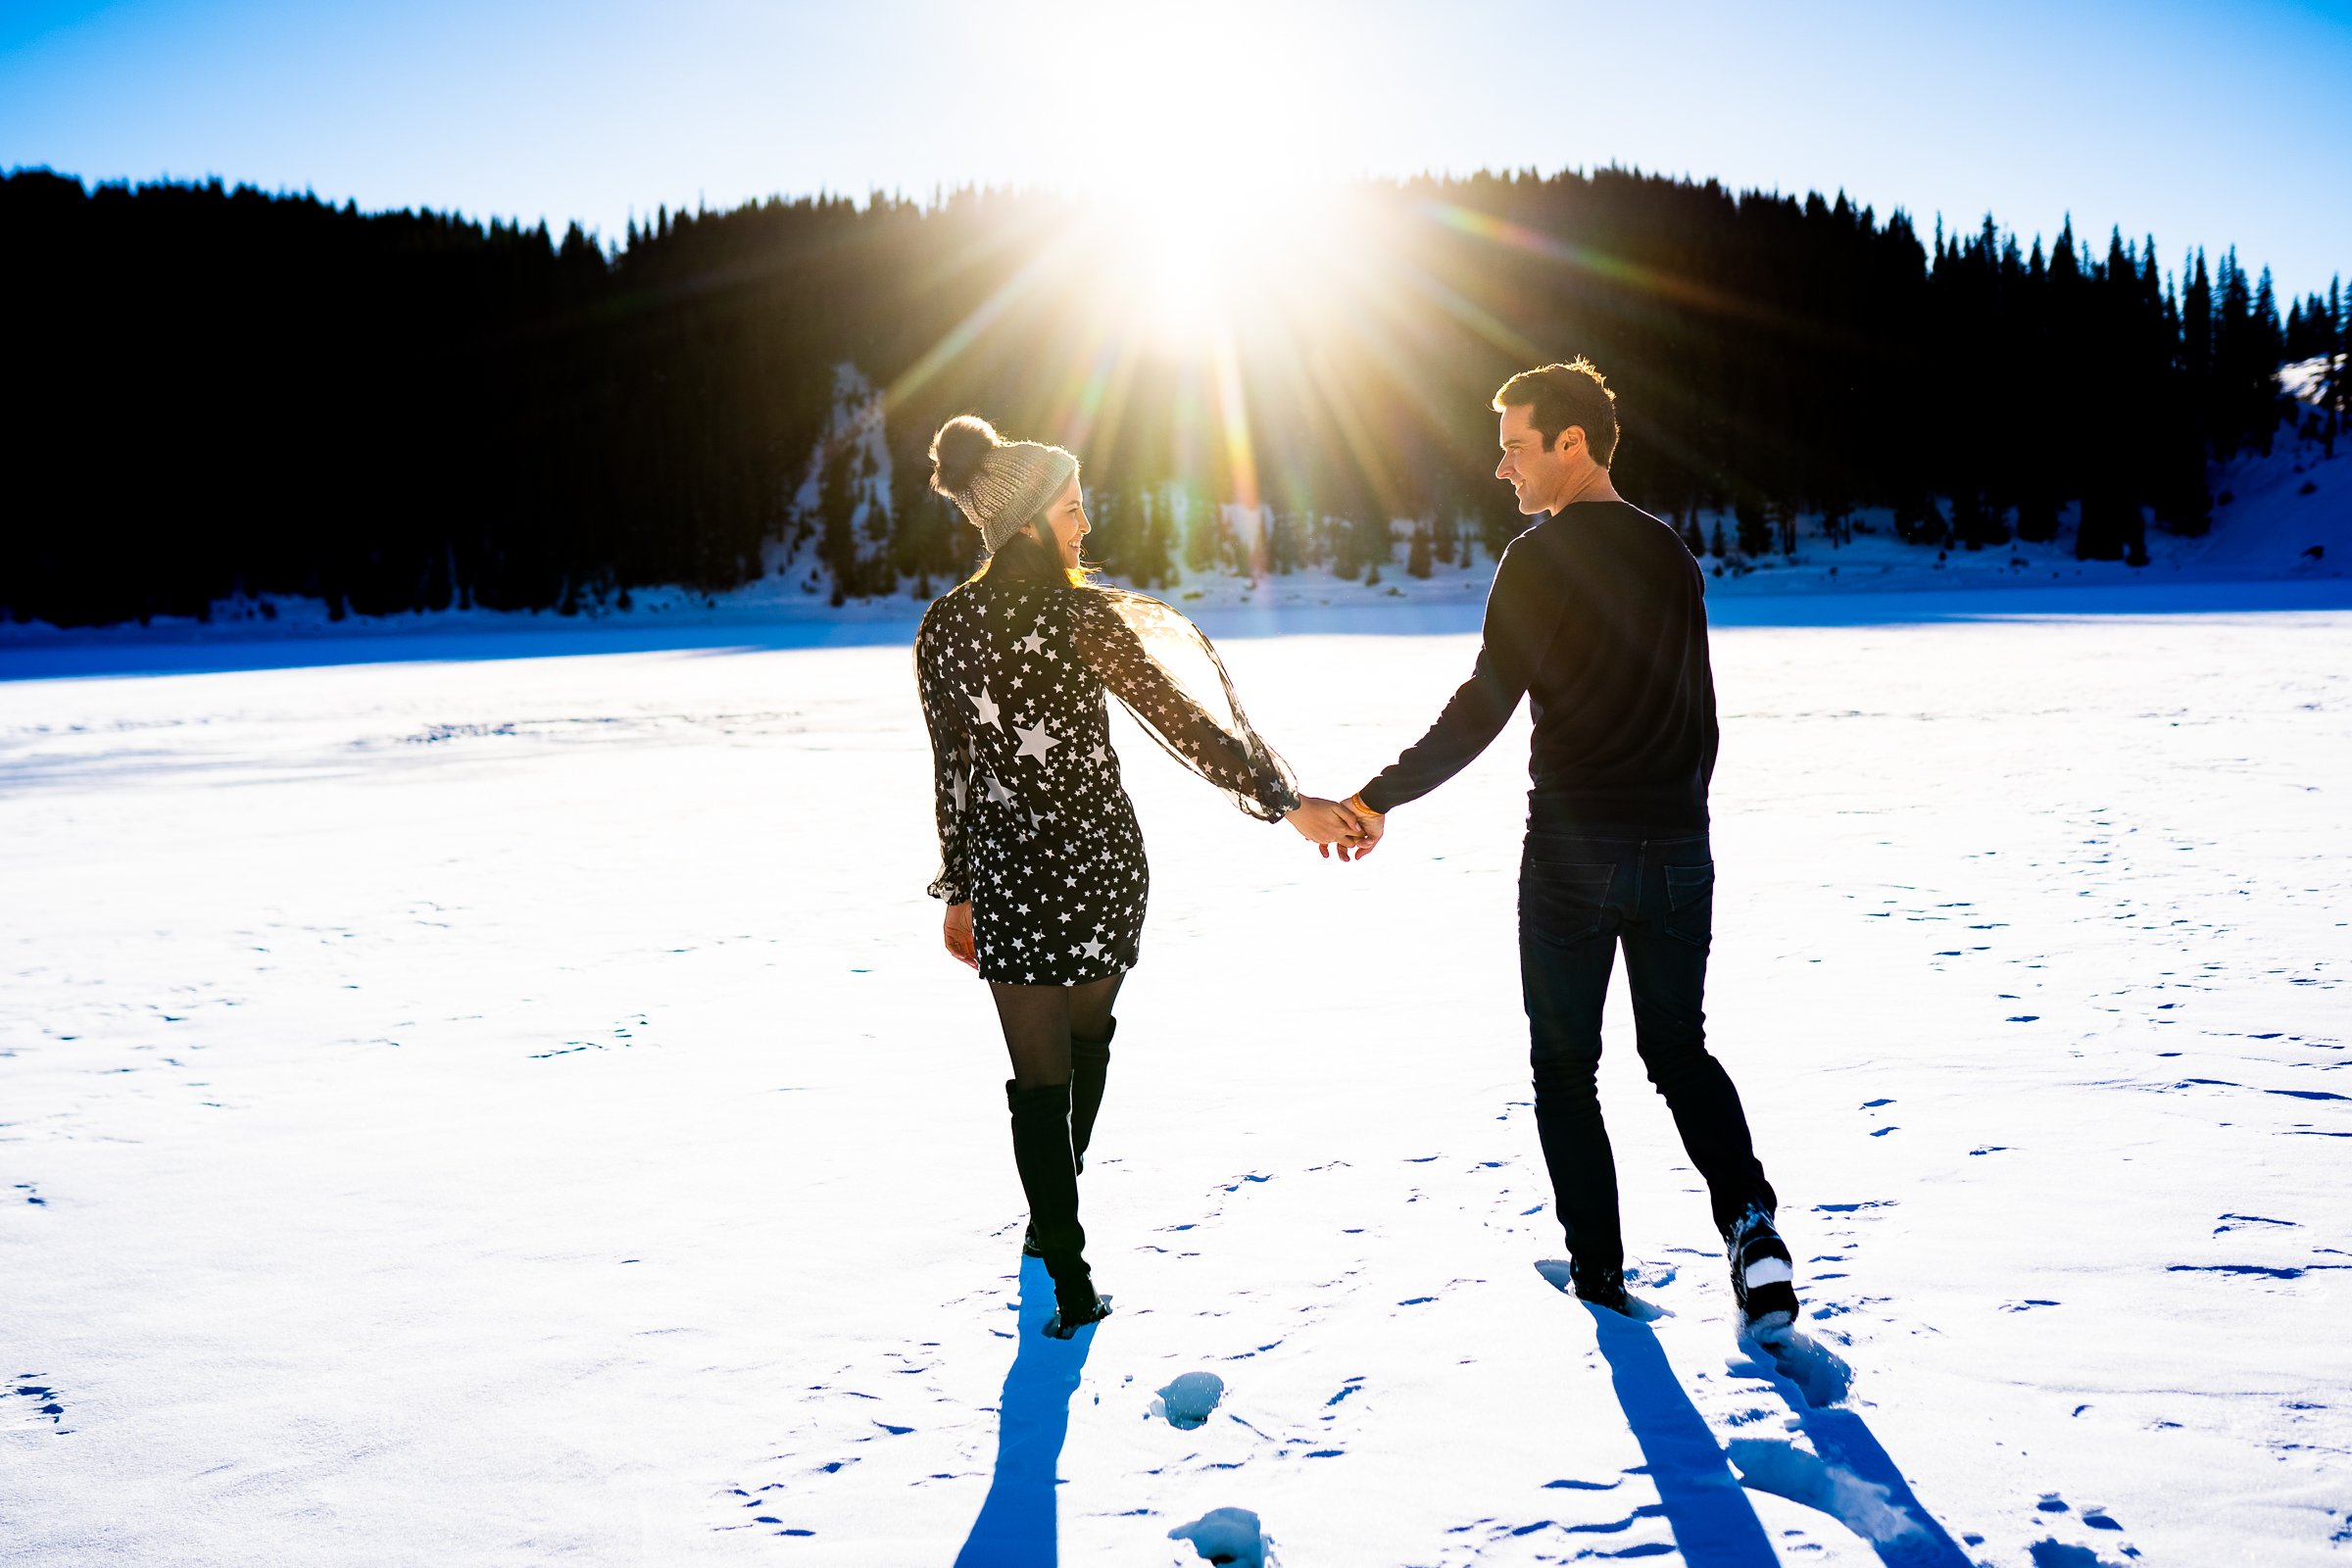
x,y
468,1109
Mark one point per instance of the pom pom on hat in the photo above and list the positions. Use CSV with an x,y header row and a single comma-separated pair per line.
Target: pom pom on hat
x,y
957,451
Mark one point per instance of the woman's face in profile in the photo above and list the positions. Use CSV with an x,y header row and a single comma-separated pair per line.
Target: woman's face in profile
x,y
1064,522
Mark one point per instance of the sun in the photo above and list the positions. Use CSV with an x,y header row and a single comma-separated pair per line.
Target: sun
x,y
1193,261
1205,156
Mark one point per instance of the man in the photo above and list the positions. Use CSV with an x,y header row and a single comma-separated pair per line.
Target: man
x,y
1597,613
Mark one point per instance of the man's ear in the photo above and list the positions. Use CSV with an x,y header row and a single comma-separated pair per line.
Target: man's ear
x,y
1563,445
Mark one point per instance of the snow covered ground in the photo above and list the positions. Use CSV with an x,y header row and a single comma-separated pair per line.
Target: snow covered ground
x,y
503,1104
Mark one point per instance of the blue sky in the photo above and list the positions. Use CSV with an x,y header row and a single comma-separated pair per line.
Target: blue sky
x,y
2201,125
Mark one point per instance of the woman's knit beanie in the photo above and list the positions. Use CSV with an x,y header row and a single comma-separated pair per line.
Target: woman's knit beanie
x,y
999,484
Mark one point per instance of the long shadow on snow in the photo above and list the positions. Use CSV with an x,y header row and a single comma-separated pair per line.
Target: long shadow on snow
x,y
1812,1381
1714,1523
1019,1525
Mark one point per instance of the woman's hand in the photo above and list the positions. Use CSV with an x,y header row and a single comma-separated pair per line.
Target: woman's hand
x,y
1323,823
958,935
1367,828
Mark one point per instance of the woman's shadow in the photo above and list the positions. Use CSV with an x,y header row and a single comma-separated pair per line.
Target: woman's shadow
x,y
1017,1527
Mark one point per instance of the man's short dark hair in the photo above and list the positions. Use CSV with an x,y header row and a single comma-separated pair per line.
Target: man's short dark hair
x,y
1558,396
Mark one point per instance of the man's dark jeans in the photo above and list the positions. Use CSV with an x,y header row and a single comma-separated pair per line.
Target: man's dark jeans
x,y
1583,892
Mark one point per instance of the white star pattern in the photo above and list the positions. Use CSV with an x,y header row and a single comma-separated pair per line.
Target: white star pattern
x,y
1053,848
1035,742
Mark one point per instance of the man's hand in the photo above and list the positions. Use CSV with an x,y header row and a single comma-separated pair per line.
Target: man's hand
x,y
1369,826
1323,823
958,936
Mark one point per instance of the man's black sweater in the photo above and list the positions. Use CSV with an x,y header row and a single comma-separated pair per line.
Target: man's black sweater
x,y
1597,613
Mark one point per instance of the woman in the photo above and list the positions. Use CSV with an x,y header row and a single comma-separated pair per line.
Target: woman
x,y
1042,863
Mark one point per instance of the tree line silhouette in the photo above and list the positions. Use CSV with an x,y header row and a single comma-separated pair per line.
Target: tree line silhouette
x,y
220,391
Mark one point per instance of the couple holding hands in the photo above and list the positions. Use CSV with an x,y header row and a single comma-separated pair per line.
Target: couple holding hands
x,y
1596,616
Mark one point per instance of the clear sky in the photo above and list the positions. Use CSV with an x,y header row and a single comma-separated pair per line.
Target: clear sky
x,y
2203,125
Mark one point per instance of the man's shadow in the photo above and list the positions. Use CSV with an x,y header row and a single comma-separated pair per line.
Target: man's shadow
x,y
1714,1523
1017,1527
1848,1476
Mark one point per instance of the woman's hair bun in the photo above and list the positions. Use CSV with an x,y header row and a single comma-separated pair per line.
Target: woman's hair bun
x,y
962,444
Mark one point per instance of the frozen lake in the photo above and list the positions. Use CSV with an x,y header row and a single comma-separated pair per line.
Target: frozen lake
x,y
486,1109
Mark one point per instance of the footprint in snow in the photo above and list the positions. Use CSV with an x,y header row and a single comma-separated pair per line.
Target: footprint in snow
x,y
2231,1222
31,1407
2047,1553
1866,1507
1229,1537
1188,1401
1819,1376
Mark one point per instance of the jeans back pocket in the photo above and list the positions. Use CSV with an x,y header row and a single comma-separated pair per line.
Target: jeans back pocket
x,y
1564,902
1691,902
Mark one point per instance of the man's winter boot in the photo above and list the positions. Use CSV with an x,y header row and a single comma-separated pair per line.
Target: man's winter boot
x,y
1600,1286
1040,1151
1763,1275
1090,1063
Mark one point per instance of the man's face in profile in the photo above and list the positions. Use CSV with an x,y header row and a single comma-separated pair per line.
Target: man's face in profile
x,y
1538,475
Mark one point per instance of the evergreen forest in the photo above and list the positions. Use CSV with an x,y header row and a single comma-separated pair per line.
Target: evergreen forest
x,y
219,391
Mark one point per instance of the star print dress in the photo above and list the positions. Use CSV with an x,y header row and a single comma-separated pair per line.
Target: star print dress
x,y
1035,829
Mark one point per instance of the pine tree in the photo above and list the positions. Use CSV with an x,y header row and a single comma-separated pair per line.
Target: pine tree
x,y
1203,548
2339,311
1150,559
1498,524
837,515
1754,526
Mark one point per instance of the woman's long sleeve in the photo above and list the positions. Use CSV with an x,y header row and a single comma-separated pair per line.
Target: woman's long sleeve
x,y
942,715
1230,756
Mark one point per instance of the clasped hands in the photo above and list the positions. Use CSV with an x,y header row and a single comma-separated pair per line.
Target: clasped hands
x,y
1346,827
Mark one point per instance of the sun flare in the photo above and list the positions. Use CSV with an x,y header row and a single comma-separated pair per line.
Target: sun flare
x,y
1205,156
1190,266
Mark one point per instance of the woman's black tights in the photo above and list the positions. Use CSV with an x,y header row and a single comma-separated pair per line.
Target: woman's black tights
x,y
1040,1022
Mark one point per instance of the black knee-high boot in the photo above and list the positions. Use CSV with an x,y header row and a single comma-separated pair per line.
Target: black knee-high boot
x,y
1090,1063
1041,1150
